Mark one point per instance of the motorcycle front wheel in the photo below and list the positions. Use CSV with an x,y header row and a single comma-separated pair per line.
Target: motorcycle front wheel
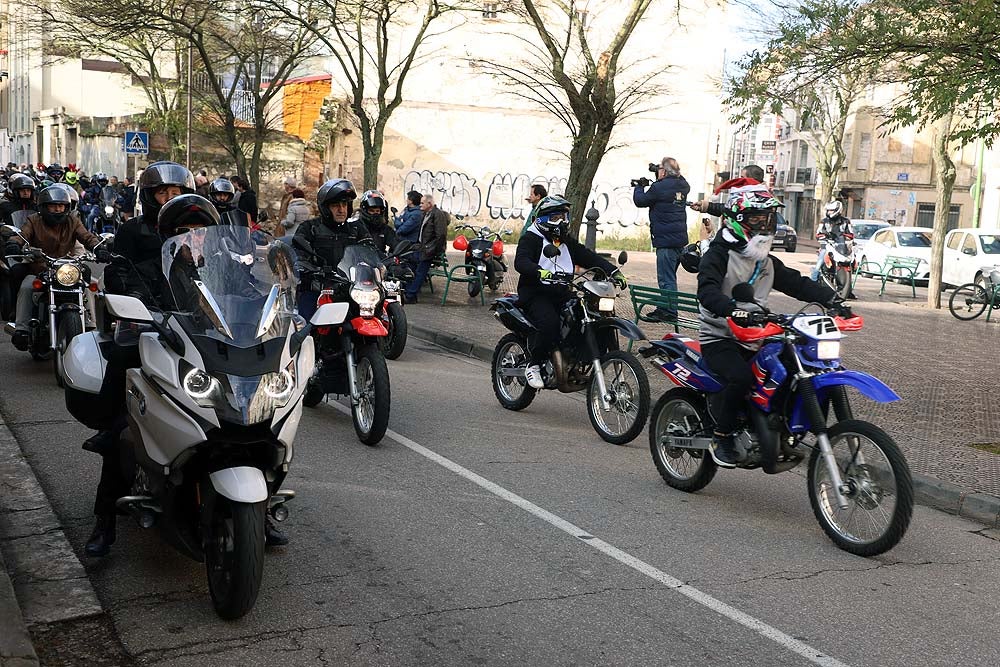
x,y
678,413
513,392
393,344
880,493
843,280
67,327
628,392
474,288
234,556
370,412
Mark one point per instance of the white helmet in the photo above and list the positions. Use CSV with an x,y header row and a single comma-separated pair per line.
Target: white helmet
x,y
833,209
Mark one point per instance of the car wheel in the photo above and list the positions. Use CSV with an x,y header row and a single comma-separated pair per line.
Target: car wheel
x,y
790,247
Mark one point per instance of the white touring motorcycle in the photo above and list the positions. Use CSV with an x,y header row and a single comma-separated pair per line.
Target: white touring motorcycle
x,y
215,403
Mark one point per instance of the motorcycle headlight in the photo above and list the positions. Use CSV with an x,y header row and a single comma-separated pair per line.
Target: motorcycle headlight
x,y
366,299
606,304
278,386
200,386
828,349
109,210
67,275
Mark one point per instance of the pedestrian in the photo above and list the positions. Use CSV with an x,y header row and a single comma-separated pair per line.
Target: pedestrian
x,y
128,198
298,211
116,185
201,184
408,222
247,201
536,194
432,237
290,185
665,200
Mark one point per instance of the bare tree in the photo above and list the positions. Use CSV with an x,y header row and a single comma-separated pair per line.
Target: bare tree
x,y
569,73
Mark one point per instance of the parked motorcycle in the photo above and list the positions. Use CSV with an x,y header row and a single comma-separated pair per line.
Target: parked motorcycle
x,y
349,356
484,253
858,480
396,272
617,394
63,305
839,264
213,408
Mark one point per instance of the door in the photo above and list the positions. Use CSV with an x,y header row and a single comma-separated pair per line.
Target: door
x,y
969,260
877,249
952,258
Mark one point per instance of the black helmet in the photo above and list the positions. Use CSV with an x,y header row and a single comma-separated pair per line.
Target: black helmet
x,y
222,186
19,182
157,175
185,211
74,196
552,219
691,257
335,190
101,178
55,171
372,199
54,195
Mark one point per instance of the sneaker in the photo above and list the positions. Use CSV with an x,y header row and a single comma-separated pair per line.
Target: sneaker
x,y
533,374
21,340
723,451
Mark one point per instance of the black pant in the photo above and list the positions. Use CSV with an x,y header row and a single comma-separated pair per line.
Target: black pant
x,y
113,484
727,359
544,314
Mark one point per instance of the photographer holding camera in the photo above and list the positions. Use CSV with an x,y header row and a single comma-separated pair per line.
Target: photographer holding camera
x,y
665,200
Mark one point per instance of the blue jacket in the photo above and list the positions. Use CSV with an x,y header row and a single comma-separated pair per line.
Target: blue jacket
x,y
667,220
408,223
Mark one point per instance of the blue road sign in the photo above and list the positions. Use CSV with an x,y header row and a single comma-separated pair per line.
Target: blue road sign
x,y
136,143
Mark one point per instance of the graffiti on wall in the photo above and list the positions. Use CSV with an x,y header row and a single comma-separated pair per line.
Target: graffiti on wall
x,y
506,195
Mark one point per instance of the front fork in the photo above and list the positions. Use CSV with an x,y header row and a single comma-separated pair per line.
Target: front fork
x,y
352,376
53,311
810,401
595,354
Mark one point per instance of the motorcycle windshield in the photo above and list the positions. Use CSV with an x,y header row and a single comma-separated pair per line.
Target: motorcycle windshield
x,y
109,196
842,247
361,264
228,288
19,218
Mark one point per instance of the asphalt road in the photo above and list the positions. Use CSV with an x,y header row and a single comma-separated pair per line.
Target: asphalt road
x,y
565,551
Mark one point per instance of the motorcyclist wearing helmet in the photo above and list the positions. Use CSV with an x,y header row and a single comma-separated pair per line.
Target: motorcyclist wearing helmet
x,y
740,253
222,192
92,199
542,301
55,172
833,226
373,210
54,232
330,234
20,197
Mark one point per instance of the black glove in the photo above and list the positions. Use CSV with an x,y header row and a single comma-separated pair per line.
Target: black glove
x,y
742,318
12,249
102,254
37,254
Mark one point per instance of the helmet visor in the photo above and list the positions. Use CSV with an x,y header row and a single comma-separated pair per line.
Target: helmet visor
x,y
762,222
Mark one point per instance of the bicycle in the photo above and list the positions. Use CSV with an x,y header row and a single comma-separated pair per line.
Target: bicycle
x,y
969,301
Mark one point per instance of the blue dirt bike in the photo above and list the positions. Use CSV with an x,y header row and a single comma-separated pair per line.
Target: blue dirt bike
x,y
858,480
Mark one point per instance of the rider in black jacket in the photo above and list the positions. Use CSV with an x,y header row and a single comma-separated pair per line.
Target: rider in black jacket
x,y
373,210
328,235
542,301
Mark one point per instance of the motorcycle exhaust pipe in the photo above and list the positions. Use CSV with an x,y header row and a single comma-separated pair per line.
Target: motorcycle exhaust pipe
x,y
140,508
9,328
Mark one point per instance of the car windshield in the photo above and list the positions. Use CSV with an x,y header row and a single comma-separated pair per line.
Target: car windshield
x,y
914,239
227,287
863,230
991,244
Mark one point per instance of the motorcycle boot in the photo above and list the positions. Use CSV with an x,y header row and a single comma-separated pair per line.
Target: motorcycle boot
x,y
103,537
723,450
21,340
272,536
101,442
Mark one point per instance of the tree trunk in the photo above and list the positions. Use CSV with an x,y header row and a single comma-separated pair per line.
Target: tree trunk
x,y
825,196
944,170
584,160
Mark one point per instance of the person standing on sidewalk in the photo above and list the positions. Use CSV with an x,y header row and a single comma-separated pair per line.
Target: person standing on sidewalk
x,y
536,194
667,226
408,222
433,236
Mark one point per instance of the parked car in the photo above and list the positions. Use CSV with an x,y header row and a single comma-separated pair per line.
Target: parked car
x,y
900,242
863,230
969,255
785,237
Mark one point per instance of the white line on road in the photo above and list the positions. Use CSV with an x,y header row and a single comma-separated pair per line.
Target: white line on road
x,y
702,598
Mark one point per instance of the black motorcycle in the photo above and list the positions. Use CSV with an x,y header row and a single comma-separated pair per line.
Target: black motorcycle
x,y
396,274
484,253
617,395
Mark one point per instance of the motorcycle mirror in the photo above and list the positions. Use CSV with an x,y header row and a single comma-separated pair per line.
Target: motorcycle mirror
x,y
551,251
743,292
622,258
394,210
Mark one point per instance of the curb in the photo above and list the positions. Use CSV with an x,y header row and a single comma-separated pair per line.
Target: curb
x,y
41,579
929,491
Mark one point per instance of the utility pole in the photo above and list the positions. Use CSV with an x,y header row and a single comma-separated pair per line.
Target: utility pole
x,y
187,159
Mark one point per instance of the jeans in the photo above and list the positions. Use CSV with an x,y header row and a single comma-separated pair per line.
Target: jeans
x,y
819,264
419,276
667,261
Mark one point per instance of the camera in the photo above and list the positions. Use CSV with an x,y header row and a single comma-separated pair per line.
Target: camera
x,y
653,168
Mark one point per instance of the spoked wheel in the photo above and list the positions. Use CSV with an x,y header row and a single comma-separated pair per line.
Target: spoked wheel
x,y
879,489
371,411
510,355
628,393
67,327
677,413
234,556
393,344
968,301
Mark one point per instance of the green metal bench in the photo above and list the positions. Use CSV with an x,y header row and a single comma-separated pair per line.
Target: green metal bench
x,y
468,274
900,269
685,304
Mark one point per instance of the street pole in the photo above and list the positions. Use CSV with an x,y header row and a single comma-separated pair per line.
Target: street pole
x,y
977,204
187,159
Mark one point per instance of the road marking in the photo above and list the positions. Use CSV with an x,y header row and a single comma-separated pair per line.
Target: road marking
x,y
702,598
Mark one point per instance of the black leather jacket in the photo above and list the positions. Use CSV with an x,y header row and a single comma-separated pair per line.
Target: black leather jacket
x,y
329,243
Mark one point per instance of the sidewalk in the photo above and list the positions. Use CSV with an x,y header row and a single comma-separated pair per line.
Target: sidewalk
x,y
944,423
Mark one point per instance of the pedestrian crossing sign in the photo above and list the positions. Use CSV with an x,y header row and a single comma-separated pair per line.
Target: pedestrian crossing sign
x,y
136,143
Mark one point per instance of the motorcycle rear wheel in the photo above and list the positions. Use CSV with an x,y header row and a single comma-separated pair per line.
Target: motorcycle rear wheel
x,y
234,556
683,469
371,412
881,492
629,388
67,327
393,344
513,393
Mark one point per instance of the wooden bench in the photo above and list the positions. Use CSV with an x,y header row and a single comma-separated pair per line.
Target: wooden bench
x,y
900,269
685,304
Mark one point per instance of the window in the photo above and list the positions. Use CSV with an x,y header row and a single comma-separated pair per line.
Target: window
x,y
864,151
914,239
882,237
803,154
969,247
954,240
991,244
895,145
491,10
925,215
